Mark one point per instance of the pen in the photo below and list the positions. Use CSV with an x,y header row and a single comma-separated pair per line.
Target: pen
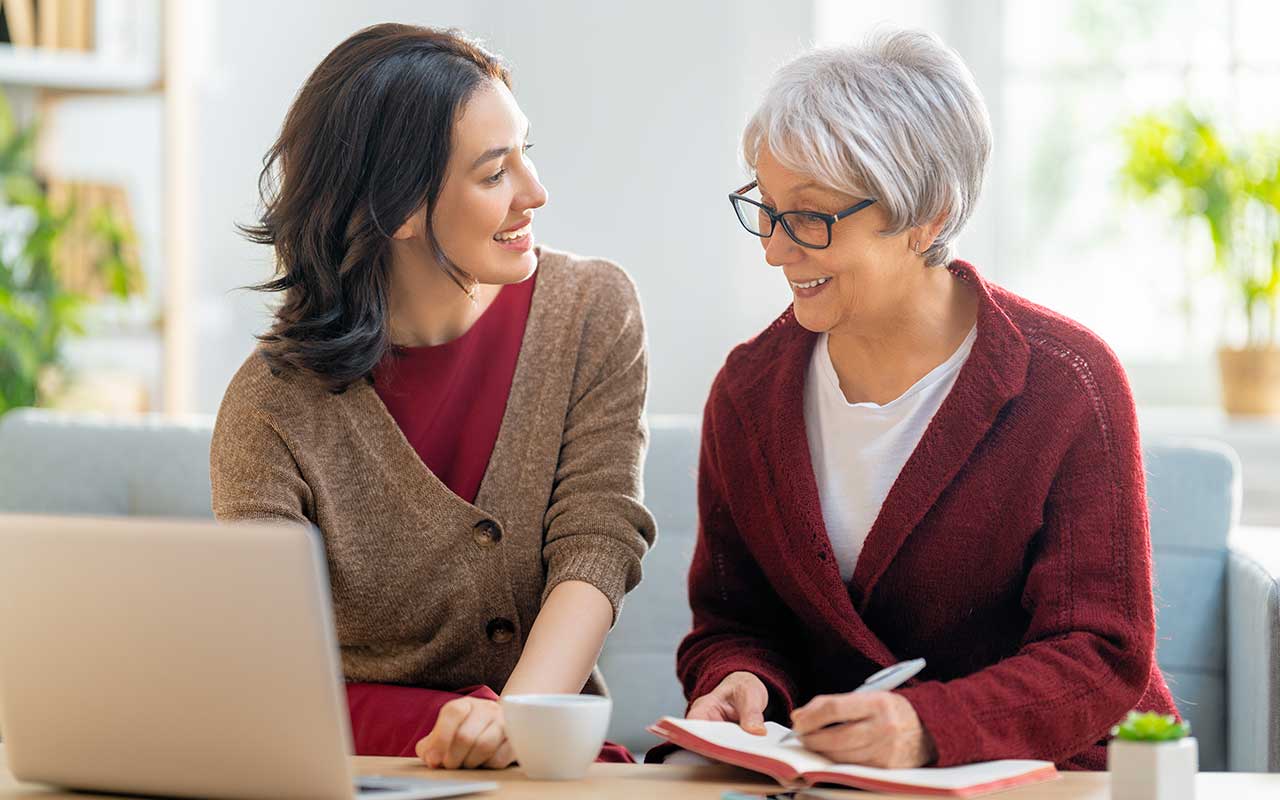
x,y
888,678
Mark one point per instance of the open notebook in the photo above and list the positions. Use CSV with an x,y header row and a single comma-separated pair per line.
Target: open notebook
x,y
791,764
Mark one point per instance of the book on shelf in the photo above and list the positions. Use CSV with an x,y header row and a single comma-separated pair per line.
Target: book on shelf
x,y
20,21
115,32
95,212
791,764
76,25
64,24
48,24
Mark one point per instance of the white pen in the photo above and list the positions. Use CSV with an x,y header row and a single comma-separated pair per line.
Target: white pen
x,y
888,678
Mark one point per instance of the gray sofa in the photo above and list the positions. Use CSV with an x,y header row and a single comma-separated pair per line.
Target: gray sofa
x,y
1217,585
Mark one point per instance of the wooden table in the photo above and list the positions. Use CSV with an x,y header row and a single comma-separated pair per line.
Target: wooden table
x,y
661,782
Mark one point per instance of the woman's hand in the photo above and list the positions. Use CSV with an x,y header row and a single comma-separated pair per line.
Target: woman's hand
x,y
469,733
741,697
877,729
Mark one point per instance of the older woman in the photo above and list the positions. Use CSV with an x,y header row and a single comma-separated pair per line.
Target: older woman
x,y
911,461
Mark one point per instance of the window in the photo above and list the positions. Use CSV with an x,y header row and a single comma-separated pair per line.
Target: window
x,y
1072,73
1061,78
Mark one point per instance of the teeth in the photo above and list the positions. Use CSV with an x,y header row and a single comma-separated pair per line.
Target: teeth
x,y
513,235
810,284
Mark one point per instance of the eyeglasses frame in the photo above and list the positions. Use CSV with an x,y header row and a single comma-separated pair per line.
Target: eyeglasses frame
x,y
776,216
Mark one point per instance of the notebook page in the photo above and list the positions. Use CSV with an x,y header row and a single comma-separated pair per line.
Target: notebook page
x,y
942,777
731,735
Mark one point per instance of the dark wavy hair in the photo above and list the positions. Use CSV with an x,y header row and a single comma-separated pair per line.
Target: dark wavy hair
x,y
365,144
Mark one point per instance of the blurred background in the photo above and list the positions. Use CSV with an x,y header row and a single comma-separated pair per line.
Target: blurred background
x,y
1135,184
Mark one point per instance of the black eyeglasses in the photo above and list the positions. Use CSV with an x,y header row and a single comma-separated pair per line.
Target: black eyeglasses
x,y
810,229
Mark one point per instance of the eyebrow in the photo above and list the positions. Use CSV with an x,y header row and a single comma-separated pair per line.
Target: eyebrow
x,y
802,187
497,152
491,154
806,186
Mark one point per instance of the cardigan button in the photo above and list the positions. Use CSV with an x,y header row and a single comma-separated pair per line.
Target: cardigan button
x,y
487,533
500,631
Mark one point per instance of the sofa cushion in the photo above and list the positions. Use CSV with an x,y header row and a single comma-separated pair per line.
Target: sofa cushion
x,y
61,463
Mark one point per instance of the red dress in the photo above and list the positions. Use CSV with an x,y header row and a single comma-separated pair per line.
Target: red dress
x,y
448,401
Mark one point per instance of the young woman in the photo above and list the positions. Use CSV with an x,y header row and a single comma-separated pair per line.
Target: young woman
x,y
459,412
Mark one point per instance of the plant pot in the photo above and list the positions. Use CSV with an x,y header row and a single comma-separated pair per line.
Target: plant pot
x,y
1250,381
1153,770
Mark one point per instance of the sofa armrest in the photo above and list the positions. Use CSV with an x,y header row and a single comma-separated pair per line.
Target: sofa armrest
x,y
1253,650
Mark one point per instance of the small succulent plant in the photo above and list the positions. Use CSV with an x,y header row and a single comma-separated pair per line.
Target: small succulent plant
x,y
1150,727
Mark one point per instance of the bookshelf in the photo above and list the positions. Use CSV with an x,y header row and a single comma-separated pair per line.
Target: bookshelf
x,y
75,71
80,45
81,66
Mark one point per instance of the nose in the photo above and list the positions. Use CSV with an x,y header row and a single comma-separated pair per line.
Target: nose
x,y
533,194
780,250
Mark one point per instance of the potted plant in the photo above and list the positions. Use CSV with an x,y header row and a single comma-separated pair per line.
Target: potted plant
x,y
37,310
1152,757
1233,194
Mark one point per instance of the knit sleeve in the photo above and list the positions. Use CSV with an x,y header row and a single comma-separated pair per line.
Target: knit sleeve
x,y
597,528
739,622
1088,650
252,472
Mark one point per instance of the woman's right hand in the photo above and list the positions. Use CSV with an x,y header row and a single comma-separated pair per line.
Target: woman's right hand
x,y
741,697
470,732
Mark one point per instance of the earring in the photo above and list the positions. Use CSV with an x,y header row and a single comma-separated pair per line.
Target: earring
x,y
915,247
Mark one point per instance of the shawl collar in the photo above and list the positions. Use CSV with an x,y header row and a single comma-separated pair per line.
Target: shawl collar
x,y
767,387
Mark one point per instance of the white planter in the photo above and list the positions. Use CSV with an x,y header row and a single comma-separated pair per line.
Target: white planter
x,y
1153,770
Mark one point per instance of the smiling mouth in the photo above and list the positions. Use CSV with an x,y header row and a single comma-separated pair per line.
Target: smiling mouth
x,y
810,284
511,236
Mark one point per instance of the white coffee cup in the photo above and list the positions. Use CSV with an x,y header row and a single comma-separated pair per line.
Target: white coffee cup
x,y
556,736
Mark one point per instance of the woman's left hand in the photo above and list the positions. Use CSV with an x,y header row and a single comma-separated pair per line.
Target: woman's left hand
x,y
877,729
469,733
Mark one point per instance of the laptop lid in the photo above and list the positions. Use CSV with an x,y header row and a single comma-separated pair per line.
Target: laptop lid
x,y
170,657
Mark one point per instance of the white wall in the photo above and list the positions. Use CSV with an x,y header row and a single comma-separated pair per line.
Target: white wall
x,y
636,113
246,61
635,109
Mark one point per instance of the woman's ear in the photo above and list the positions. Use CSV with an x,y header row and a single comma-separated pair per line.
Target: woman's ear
x,y
924,235
413,227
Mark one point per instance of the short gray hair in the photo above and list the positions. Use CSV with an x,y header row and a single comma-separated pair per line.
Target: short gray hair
x,y
898,118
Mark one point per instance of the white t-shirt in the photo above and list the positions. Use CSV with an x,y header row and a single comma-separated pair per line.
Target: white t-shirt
x,y
858,449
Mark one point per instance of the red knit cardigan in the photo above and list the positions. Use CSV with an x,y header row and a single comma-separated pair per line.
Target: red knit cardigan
x,y
1012,552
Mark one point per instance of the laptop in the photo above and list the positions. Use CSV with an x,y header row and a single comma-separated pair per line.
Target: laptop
x,y
177,658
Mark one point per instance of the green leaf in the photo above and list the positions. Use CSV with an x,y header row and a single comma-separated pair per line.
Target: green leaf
x,y
6,118
22,189
1150,727
1180,159
122,273
36,311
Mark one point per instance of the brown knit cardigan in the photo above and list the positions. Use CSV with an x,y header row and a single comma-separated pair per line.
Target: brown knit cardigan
x,y
428,589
